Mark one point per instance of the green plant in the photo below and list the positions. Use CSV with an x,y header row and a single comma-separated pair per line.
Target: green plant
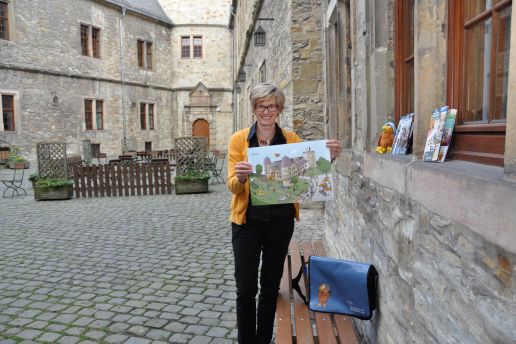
x,y
46,181
15,155
194,175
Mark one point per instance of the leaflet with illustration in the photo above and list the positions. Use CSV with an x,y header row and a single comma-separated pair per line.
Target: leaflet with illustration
x,y
435,134
449,123
295,172
403,134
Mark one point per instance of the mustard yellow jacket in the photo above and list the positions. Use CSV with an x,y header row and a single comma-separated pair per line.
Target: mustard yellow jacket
x,y
237,152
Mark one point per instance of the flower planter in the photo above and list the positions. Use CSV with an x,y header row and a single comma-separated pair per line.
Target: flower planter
x,y
187,187
53,193
22,164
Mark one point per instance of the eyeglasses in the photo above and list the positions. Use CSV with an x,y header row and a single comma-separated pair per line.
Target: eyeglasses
x,y
261,108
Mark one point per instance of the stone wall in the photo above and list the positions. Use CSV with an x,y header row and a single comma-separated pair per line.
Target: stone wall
x,y
293,35
219,118
39,118
278,66
440,235
53,44
213,70
307,67
442,279
43,62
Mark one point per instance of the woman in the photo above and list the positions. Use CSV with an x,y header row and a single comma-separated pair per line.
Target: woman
x,y
259,230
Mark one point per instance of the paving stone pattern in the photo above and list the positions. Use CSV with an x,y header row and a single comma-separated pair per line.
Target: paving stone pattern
x,y
148,269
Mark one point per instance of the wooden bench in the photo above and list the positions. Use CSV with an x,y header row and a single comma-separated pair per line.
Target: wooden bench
x,y
305,326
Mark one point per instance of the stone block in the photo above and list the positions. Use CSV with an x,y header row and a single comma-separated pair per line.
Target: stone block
x,y
458,190
305,87
387,170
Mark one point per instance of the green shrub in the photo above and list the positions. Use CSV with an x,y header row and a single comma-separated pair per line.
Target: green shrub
x,y
194,175
45,181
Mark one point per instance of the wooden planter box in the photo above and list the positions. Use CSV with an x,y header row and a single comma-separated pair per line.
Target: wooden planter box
x,y
13,164
186,187
53,193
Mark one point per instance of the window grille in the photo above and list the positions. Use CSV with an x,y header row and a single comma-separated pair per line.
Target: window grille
x,y
259,37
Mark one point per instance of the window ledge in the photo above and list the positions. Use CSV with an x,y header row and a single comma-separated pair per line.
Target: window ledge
x,y
477,196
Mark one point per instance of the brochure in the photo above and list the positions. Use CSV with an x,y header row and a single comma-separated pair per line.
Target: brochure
x,y
435,133
449,123
402,138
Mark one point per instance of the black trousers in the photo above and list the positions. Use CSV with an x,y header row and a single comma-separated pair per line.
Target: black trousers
x,y
269,240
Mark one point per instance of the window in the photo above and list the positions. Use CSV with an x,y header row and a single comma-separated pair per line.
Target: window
x,y
85,45
146,116
185,47
338,53
197,47
94,114
148,146
259,37
404,58
4,20
8,112
149,55
188,50
151,116
95,150
262,73
144,54
99,114
90,41
95,42
478,68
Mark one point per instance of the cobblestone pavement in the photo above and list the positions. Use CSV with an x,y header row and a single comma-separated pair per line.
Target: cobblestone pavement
x,y
148,269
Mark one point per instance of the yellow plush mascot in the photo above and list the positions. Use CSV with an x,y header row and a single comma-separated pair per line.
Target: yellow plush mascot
x,y
386,138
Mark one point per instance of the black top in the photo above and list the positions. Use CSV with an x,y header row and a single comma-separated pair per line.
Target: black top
x,y
266,213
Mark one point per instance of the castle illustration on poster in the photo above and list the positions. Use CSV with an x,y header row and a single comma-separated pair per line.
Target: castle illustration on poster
x,y
295,172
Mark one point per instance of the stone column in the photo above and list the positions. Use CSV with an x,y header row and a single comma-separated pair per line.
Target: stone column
x,y
510,138
430,63
308,116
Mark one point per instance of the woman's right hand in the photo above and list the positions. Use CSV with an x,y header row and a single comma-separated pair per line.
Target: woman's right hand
x,y
243,169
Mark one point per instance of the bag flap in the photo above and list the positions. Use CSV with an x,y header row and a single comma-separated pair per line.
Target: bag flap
x,y
340,286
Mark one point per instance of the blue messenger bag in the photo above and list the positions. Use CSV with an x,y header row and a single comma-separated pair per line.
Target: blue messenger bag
x,y
339,286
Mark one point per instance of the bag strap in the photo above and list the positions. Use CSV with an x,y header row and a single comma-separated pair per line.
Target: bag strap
x,y
295,283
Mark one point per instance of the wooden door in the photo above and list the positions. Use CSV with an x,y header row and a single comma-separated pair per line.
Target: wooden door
x,y
201,127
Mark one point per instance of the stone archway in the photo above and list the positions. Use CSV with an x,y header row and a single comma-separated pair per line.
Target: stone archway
x,y
201,127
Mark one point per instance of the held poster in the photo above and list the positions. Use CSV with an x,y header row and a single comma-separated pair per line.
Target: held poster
x,y
295,172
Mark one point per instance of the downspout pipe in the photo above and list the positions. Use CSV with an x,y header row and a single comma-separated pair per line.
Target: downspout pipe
x,y
122,77
232,15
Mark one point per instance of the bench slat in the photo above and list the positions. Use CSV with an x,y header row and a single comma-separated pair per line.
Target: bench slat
x,y
304,333
283,322
322,320
345,329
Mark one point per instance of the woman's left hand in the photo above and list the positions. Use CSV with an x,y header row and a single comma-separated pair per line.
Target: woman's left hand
x,y
335,148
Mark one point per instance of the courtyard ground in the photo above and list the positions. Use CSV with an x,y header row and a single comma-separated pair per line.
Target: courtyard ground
x,y
140,269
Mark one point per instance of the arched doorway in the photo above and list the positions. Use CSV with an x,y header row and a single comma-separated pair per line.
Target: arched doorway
x,y
201,127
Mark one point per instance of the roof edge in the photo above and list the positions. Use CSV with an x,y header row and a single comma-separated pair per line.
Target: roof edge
x,y
139,11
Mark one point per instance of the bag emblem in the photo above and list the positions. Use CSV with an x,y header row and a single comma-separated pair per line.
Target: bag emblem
x,y
323,294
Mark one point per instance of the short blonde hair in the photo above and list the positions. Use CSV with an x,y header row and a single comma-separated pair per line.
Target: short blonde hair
x,y
262,91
